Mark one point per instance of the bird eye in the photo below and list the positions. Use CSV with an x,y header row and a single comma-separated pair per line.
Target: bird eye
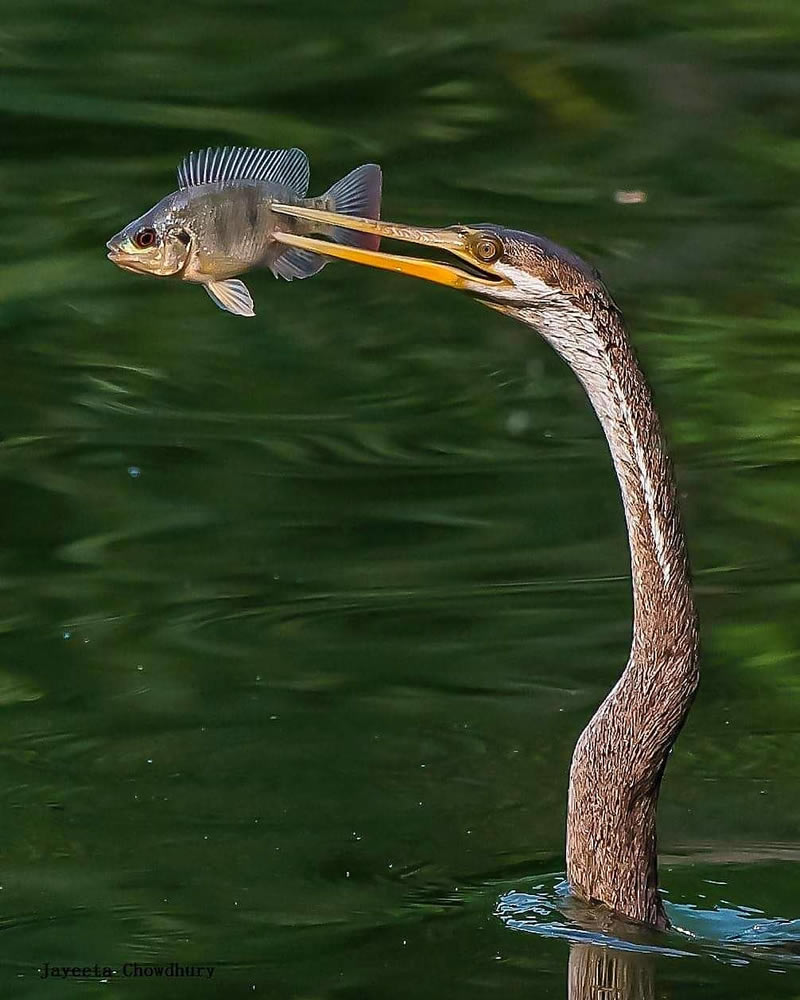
x,y
487,249
145,238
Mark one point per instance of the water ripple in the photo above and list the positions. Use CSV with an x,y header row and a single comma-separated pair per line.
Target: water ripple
x,y
731,933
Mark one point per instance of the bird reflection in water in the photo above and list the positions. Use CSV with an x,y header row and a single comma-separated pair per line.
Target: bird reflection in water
x,y
599,973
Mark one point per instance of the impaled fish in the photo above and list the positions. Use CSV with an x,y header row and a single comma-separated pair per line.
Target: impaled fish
x,y
219,223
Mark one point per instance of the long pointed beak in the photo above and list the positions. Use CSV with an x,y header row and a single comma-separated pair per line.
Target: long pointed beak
x,y
452,240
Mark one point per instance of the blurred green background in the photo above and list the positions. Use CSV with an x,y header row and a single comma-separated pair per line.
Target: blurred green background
x,y
301,616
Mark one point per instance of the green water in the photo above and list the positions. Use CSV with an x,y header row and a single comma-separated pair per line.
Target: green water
x,y
301,616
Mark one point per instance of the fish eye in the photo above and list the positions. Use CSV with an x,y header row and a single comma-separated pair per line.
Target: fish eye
x,y
145,238
487,248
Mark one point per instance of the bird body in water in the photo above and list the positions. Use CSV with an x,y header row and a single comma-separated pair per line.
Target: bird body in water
x,y
621,755
219,223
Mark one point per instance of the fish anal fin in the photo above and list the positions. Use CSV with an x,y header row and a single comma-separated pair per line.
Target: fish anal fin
x,y
295,263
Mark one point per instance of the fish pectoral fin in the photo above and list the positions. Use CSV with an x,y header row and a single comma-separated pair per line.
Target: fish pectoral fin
x,y
232,296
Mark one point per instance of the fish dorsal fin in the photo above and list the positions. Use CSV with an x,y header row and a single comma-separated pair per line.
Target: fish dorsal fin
x,y
245,163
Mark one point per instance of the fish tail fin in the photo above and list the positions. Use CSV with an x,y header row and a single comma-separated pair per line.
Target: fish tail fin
x,y
359,193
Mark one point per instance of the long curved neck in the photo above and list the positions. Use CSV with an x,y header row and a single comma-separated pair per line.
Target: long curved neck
x,y
621,755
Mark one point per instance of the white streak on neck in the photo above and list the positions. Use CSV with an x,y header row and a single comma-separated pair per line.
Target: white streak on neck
x,y
574,336
659,542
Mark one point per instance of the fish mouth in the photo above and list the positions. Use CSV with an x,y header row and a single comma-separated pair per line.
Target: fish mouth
x,y
471,273
125,263
125,260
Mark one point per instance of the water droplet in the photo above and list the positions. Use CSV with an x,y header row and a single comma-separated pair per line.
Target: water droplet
x,y
517,422
630,197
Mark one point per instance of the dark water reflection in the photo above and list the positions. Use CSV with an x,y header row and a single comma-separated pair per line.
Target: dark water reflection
x,y
301,616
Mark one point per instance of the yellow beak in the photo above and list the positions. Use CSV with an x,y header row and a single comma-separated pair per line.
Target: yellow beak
x,y
453,240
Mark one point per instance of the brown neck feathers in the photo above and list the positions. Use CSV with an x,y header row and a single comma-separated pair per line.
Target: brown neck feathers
x,y
621,755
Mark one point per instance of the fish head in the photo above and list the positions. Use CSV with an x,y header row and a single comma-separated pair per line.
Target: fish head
x,y
158,242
